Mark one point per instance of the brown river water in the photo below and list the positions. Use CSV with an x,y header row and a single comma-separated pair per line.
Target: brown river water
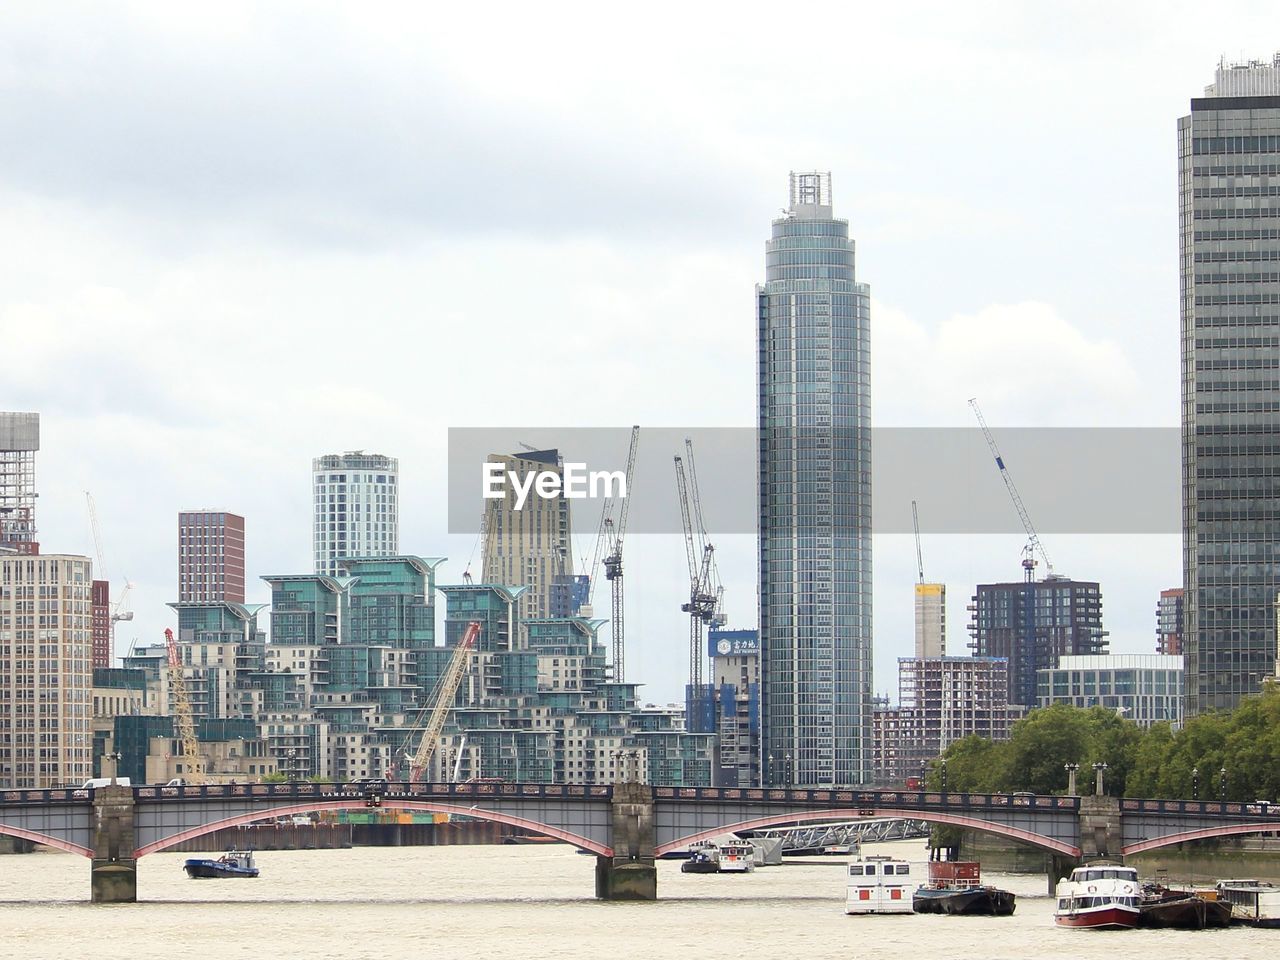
x,y
480,902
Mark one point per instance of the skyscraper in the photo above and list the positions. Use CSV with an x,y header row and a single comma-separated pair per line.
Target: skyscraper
x,y
356,497
19,441
530,547
1229,245
210,556
1169,622
815,497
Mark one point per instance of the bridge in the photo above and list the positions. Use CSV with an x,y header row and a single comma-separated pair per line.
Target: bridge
x,y
626,825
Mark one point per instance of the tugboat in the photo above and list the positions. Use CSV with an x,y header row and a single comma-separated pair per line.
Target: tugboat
x,y
1161,906
233,863
955,887
703,858
1100,896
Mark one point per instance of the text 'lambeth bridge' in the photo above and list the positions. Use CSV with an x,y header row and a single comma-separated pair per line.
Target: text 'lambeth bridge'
x,y
626,825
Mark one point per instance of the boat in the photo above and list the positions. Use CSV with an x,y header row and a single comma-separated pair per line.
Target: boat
x,y
1162,906
233,863
704,859
1098,896
1253,902
955,887
878,885
737,856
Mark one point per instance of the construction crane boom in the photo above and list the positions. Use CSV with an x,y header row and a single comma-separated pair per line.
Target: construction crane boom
x,y
915,522
445,691
1033,541
615,531
705,594
181,707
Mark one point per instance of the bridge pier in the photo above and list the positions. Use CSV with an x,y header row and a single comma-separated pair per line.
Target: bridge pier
x,y
114,874
630,874
1100,832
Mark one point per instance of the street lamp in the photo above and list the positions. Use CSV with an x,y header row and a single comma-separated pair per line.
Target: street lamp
x,y
1195,783
1071,769
944,774
291,773
1099,769
768,774
924,774
114,757
790,772
1222,784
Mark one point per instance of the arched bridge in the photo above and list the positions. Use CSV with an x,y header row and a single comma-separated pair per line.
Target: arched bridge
x,y
626,825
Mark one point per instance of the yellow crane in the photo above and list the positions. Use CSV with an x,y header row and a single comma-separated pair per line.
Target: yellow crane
x,y
181,709
442,701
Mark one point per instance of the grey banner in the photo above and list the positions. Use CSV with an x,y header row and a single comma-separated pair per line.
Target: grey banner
x,y
1072,480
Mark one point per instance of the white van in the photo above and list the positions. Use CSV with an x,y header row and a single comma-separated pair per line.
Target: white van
x,y
104,782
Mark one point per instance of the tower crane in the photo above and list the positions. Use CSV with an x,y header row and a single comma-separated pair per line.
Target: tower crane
x,y
1033,541
181,707
614,532
118,613
441,701
704,603
915,522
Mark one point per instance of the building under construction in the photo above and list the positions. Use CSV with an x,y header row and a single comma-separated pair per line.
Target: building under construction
x,y
19,441
1034,622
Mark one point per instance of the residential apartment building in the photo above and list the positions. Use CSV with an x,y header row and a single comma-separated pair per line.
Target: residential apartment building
x,y
931,619
210,556
356,500
1169,622
531,546
46,670
814,418
1034,622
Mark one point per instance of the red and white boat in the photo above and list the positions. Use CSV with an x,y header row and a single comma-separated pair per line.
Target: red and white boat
x,y
1099,896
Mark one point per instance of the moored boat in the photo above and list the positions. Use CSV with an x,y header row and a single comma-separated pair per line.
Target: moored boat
x,y
1253,902
955,887
233,863
878,885
1161,906
738,856
1099,896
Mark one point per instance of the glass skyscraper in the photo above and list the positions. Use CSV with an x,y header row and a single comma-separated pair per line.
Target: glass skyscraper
x,y
815,497
1229,244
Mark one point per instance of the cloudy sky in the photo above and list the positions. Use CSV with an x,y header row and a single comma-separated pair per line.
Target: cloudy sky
x,y
234,241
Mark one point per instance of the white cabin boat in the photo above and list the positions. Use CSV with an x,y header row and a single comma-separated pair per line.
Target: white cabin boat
x,y
1099,896
1253,902
879,885
737,856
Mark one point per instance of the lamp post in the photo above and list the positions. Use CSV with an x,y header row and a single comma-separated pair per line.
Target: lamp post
x,y
924,774
790,772
944,774
768,772
1195,783
1071,769
291,774
1099,769
1222,784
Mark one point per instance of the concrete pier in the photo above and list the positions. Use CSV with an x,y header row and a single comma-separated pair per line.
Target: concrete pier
x,y
630,874
114,874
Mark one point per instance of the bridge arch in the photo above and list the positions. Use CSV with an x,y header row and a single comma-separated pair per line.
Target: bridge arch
x,y
9,830
863,813
306,806
1226,830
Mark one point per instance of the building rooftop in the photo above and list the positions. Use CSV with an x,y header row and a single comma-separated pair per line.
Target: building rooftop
x,y
1246,78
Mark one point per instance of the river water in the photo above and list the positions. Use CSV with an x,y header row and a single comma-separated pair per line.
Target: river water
x,y
480,902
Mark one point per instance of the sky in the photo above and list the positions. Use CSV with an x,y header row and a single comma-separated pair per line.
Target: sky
x,y
237,240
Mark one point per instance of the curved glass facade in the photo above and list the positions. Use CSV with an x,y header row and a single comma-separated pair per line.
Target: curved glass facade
x,y
815,498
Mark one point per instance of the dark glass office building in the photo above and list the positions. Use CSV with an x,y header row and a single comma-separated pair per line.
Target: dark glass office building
x,y
1229,233
815,498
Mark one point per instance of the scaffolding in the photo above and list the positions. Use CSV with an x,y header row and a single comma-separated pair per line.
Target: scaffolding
x,y
19,441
